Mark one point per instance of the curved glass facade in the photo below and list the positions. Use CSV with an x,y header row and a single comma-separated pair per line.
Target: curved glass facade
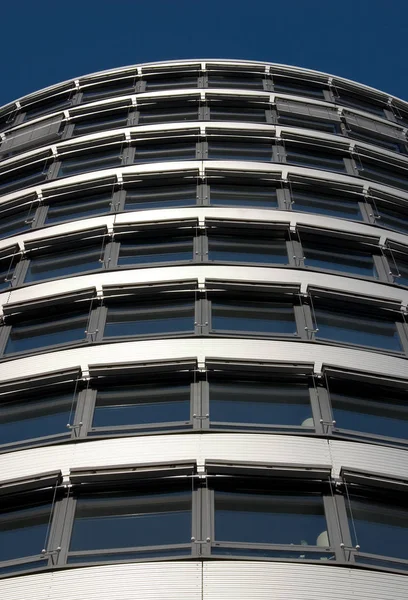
x,y
204,330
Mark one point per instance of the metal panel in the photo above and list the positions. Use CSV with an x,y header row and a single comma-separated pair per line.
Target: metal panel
x,y
368,457
264,581
43,131
143,581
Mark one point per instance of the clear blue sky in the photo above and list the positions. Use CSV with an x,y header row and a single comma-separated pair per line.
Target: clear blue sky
x,y
46,41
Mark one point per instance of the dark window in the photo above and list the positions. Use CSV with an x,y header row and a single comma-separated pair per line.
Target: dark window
x,y
7,266
16,221
131,519
322,253
48,330
314,157
152,318
369,408
66,209
230,150
325,204
251,401
246,112
100,121
23,530
243,195
349,99
140,250
160,197
235,80
308,123
29,417
296,87
237,247
23,176
375,138
142,405
47,105
260,318
379,528
108,89
168,112
354,325
170,82
165,151
62,263
92,160
269,518
391,217
394,176
399,267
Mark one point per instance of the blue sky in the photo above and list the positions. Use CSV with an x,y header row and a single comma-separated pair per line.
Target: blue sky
x,y
46,41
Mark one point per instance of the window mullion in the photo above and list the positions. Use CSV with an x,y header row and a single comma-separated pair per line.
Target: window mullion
x,y
402,329
345,552
55,546
334,522
283,199
207,519
118,201
96,324
383,268
84,412
202,317
324,423
20,272
111,255
66,521
202,406
350,165
4,335
304,321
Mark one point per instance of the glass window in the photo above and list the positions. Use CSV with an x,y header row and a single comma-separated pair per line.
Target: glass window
x,y
14,222
269,518
309,123
393,176
235,80
375,138
59,263
369,408
131,520
295,87
242,249
377,331
320,253
325,204
152,318
399,266
42,331
108,89
349,99
78,208
165,151
100,121
23,176
160,197
262,318
23,530
82,162
169,81
242,401
141,250
28,417
7,266
222,111
168,112
392,217
144,404
379,528
230,150
47,105
243,195
314,157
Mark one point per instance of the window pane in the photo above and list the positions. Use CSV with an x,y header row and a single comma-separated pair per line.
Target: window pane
x,y
400,268
269,518
84,162
58,264
375,138
251,402
168,250
308,123
100,122
168,114
232,248
23,531
169,82
161,197
108,89
349,99
392,218
321,204
46,331
78,208
369,408
130,520
7,267
381,529
302,88
141,404
396,177
32,418
323,255
239,151
264,318
149,320
251,196
46,106
23,177
314,158
13,223
237,80
363,331
237,113
159,151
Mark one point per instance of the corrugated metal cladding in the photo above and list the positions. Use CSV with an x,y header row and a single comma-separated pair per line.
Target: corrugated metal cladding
x,y
208,581
255,189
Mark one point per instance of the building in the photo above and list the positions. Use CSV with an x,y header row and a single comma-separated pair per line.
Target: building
x,y
204,337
